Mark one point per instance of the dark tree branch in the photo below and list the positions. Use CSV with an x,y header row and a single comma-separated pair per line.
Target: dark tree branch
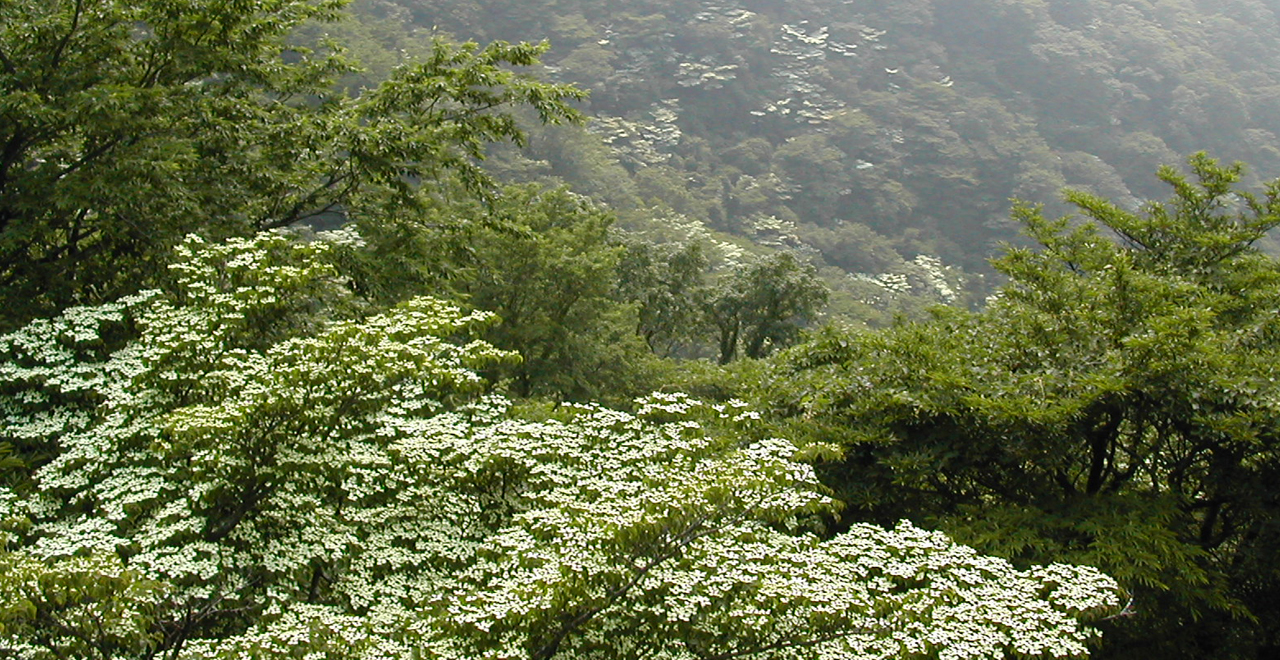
x,y
55,58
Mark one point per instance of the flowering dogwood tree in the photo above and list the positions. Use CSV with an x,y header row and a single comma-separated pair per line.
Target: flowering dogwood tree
x,y
253,466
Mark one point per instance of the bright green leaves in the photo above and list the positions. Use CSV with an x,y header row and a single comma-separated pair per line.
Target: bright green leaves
x,y
78,607
129,127
546,265
665,282
114,139
432,119
1114,405
760,307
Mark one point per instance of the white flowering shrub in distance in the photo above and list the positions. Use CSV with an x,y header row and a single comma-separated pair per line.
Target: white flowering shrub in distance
x,y
231,470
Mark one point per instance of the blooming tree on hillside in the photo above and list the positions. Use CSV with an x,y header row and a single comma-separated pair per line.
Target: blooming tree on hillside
x,y
253,466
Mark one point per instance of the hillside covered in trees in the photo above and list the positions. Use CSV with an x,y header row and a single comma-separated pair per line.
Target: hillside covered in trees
x,y
884,139
387,331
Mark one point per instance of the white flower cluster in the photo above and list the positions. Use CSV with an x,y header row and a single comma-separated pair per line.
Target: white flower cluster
x,y
735,19
641,143
706,74
935,275
346,237
681,228
772,231
802,49
925,276
257,481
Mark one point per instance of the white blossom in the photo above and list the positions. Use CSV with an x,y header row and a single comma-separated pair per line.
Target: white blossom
x,y
342,487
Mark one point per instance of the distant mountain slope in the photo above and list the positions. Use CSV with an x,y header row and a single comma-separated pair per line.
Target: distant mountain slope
x,y
806,123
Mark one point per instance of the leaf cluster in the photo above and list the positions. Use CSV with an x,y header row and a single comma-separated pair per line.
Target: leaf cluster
x,y
128,125
1115,404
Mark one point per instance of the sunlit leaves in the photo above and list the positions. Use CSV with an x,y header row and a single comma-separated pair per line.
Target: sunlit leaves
x,y
1114,405
131,124
88,606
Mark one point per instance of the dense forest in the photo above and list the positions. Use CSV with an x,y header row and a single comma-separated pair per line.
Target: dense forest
x,y
851,131
662,329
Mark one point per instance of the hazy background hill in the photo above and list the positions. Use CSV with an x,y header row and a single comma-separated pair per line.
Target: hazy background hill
x,y
884,139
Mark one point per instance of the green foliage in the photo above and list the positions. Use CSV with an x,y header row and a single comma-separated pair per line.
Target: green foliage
x,y
667,281
78,607
917,119
1114,405
131,124
252,477
761,307
546,265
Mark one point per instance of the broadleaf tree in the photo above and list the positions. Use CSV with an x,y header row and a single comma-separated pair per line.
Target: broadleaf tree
x,y
1114,405
248,473
547,265
760,307
129,124
666,284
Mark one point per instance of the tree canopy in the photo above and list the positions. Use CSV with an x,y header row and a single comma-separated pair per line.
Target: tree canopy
x,y
253,475
1115,405
230,430
128,125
